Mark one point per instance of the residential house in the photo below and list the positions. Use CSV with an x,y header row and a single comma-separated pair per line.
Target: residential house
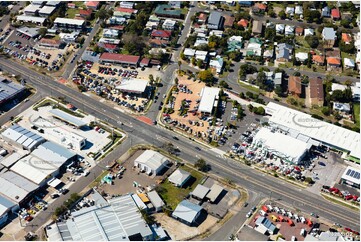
x,y
342,107
335,14
94,5
31,9
346,38
215,20
290,11
314,92
165,10
169,24
295,86
309,31
110,33
301,56
326,12
259,8
189,53
111,48
268,54
158,43
348,63
218,33
124,12
245,3
126,4
318,60
85,13
289,30
280,28
234,43
265,226
329,37
71,5
217,64
254,47
175,4
228,21
243,22
299,31
116,20
67,23
151,25
274,78
161,34
46,11
179,177
69,37
257,27
202,18
333,63
284,52
299,10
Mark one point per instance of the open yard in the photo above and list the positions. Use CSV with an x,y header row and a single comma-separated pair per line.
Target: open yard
x,y
71,12
173,195
356,112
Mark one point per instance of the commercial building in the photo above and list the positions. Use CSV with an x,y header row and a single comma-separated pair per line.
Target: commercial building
x,y
200,192
138,201
214,193
49,43
179,177
94,5
351,177
118,219
132,85
151,162
31,19
9,90
15,187
46,11
31,9
156,200
68,118
53,153
6,206
209,99
187,212
265,226
302,124
10,160
284,146
215,20
126,60
22,138
67,23
69,37
30,32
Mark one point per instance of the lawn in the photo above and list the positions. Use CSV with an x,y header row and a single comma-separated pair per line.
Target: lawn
x,y
173,195
71,12
79,4
356,113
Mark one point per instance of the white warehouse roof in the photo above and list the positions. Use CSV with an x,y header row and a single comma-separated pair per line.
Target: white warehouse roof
x,y
69,21
26,18
54,153
67,117
22,136
352,175
132,85
293,149
187,211
319,130
47,10
155,199
209,95
152,159
15,187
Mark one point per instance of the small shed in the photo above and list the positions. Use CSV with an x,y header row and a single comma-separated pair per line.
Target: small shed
x,y
156,200
200,192
216,190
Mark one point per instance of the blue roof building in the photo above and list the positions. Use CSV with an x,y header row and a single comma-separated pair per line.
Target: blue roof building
x,y
264,225
187,212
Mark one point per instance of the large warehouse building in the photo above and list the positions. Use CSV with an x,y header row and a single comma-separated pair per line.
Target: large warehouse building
x,y
22,138
151,162
296,122
9,90
132,85
119,220
281,145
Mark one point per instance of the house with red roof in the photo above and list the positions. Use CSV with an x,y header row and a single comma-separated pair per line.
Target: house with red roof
x,y
299,31
335,14
158,43
202,18
71,5
49,43
259,8
228,21
314,92
144,62
124,60
333,62
85,13
243,22
92,5
347,38
161,34
318,60
294,86
111,48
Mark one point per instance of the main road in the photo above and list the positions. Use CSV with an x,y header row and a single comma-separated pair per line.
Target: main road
x,y
140,132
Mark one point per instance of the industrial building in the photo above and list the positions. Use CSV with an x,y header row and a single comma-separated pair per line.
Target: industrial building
x,y
6,206
209,99
22,138
132,85
351,177
127,60
179,177
284,146
15,187
151,162
9,90
200,192
314,130
187,212
116,220
265,226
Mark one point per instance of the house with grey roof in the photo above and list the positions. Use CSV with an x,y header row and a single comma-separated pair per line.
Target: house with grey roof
x,y
200,192
284,52
326,12
214,193
179,177
187,212
257,27
329,37
156,200
215,20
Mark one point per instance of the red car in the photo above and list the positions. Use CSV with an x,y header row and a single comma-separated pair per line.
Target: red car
x,y
355,197
28,218
348,197
348,229
355,232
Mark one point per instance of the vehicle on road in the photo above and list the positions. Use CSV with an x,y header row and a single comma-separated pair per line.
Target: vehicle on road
x,y
321,163
314,215
175,137
197,148
246,204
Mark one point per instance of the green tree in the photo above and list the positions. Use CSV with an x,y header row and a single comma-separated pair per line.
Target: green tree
x,y
148,218
345,23
312,41
326,111
348,48
282,14
206,76
176,81
42,32
199,63
201,165
261,80
270,34
193,61
223,84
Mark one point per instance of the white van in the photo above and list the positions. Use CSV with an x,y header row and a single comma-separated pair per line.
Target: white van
x,y
270,208
302,232
303,220
277,210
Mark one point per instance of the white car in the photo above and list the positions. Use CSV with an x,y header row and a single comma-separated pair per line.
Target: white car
x,y
85,173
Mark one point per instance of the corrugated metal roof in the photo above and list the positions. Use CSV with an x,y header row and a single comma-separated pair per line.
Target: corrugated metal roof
x,y
54,153
22,136
200,191
11,159
5,205
155,199
15,187
215,192
67,117
152,159
178,177
187,211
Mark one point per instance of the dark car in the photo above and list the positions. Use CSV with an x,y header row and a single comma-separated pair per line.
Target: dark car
x,y
321,163
197,148
175,137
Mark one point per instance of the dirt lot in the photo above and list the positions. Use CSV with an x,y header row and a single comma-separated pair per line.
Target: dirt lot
x,y
180,231
196,88
125,184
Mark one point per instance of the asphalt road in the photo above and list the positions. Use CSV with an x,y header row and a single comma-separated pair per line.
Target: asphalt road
x,y
226,168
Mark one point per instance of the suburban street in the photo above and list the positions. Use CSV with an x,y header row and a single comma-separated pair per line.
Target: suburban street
x,y
143,133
